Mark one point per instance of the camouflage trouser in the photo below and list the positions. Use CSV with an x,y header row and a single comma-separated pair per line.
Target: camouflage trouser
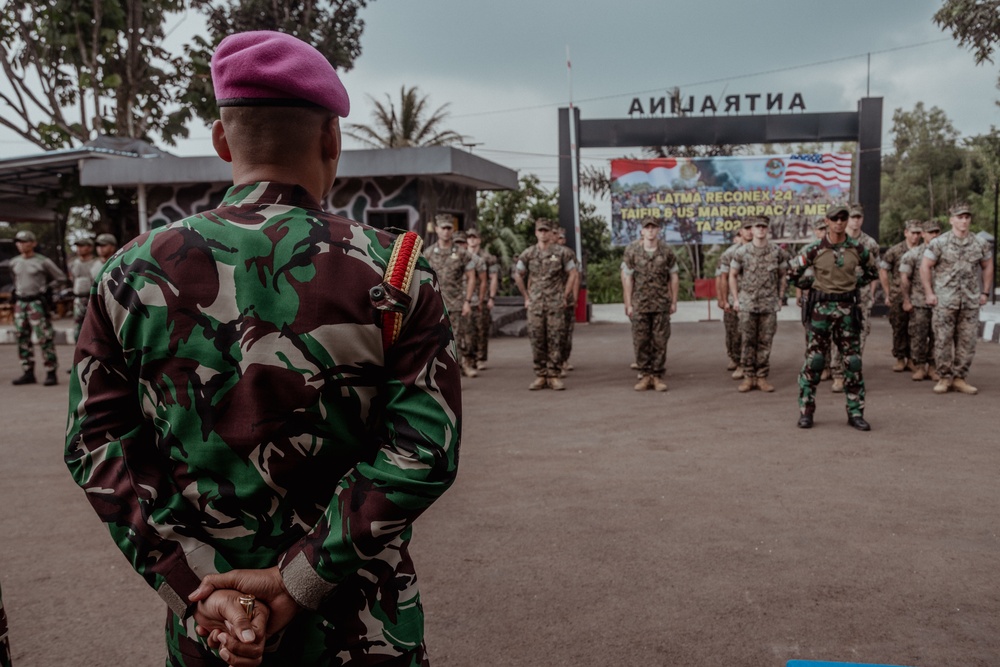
x,y
462,327
4,643
650,333
955,334
921,335
832,323
79,312
757,334
482,318
570,325
899,319
547,330
734,345
33,317
837,365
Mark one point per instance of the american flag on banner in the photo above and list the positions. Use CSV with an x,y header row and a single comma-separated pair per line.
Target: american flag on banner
x,y
827,170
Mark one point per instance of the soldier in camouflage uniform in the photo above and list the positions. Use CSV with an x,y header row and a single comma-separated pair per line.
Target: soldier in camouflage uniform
x,y
805,282
488,286
550,272
80,270
4,641
35,277
888,274
107,245
912,291
757,281
650,282
456,269
730,318
952,287
570,309
867,295
842,267
236,418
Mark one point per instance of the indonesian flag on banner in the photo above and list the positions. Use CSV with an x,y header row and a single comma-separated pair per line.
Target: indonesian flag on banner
x,y
624,167
827,170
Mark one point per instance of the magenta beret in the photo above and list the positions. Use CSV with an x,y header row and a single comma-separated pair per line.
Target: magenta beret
x,y
265,68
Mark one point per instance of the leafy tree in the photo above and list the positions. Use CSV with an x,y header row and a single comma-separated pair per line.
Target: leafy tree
x,y
409,125
974,23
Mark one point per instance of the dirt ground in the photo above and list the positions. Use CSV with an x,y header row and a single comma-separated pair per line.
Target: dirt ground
x,y
598,526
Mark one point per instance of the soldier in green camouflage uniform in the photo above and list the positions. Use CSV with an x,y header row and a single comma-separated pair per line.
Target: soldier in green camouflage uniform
x,y
4,640
866,295
912,291
571,308
757,279
650,282
550,271
235,417
731,318
456,270
80,270
957,273
888,273
841,267
487,293
35,276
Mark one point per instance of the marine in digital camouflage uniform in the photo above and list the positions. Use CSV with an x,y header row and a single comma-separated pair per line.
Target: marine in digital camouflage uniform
x,y
233,409
650,282
889,276
731,318
841,267
866,295
570,308
757,278
35,277
544,275
4,638
912,291
483,321
957,273
456,270
81,269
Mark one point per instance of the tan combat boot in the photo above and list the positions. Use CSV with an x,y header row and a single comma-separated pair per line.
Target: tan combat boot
x,y
838,386
659,384
732,365
539,383
556,383
738,374
644,383
932,373
960,385
747,384
943,386
910,366
825,375
468,370
919,374
764,385
481,365
899,366
634,366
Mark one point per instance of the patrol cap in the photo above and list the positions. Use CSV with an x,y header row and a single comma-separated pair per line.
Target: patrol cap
x,y
25,235
835,210
856,209
266,68
106,239
543,223
819,224
472,232
460,237
914,226
84,240
647,221
444,220
932,226
960,208
760,220
747,223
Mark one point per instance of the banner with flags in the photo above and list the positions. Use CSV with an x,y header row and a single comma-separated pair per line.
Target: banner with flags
x,y
704,200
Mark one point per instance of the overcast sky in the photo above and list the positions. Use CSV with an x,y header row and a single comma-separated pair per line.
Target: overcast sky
x,y
501,66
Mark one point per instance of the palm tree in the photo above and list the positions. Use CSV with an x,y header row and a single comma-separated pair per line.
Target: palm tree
x,y
410,126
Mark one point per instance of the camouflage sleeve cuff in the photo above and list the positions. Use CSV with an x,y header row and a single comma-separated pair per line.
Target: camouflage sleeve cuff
x,y
303,584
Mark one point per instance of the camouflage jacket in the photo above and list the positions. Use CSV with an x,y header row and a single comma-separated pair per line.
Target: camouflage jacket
x,y
231,406
866,241
957,279
651,272
451,267
889,262
762,271
547,271
725,261
909,265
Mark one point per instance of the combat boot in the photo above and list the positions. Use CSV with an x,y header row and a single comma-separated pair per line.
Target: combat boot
x,y
468,370
50,379
960,385
659,384
556,383
899,366
738,374
825,375
932,373
732,366
919,374
539,383
644,383
481,365
764,385
634,366
747,384
943,386
838,386
27,378
567,366
910,366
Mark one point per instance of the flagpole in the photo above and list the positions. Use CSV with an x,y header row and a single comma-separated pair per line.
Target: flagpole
x,y
574,169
